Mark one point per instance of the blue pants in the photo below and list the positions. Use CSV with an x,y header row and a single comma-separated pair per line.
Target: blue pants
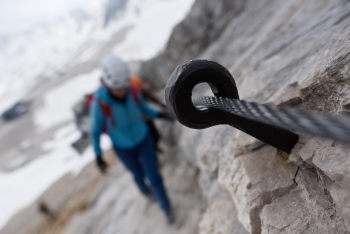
x,y
141,162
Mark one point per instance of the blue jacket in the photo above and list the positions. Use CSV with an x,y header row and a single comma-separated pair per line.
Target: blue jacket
x,y
129,129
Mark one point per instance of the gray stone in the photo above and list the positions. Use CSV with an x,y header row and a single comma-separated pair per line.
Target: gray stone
x,y
246,143
315,191
286,214
334,161
341,199
221,217
306,209
201,27
307,152
255,180
292,53
289,95
120,208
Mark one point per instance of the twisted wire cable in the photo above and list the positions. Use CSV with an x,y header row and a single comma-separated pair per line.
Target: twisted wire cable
x,y
314,123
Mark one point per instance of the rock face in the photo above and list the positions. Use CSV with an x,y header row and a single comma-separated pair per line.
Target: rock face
x,y
118,207
201,27
221,216
289,52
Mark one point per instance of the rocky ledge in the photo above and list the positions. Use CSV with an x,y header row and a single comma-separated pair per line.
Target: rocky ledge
x,y
290,52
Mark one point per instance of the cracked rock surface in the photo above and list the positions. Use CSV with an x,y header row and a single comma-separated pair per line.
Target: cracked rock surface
x,y
289,52
118,207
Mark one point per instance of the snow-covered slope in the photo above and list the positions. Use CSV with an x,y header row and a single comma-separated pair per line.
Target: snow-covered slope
x,y
47,51
44,53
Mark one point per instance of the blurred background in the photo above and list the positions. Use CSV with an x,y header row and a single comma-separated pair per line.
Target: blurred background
x,y
50,53
220,180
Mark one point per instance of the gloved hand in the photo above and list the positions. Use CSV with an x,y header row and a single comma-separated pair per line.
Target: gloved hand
x,y
101,164
165,116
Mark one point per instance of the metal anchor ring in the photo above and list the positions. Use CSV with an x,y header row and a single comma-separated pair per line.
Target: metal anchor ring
x,y
178,94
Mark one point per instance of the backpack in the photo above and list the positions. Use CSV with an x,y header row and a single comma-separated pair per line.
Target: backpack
x,y
106,109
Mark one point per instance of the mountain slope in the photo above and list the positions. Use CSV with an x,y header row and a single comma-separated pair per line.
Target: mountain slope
x,y
286,52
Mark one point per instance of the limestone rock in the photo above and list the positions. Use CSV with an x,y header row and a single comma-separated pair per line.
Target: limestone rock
x,y
246,143
334,161
342,201
290,52
286,214
221,217
306,209
255,180
118,206
288,95
201,27
204,149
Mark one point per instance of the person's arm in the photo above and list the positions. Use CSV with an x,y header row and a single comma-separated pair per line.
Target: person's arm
x,y
149,96
146,109
149,111
96,122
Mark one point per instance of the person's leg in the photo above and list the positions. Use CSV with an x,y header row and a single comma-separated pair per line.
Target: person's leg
x,y
129,158
149,165
155,136
154,132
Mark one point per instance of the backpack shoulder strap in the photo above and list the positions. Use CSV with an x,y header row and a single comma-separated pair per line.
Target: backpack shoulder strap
x,y
106,110
135,94
89,98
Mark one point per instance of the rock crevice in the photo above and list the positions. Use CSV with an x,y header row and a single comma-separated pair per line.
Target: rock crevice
x,y
292,53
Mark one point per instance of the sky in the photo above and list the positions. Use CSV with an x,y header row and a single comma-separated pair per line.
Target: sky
x,y
17,16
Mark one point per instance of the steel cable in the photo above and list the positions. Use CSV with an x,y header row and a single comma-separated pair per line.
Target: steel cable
x,y
314,123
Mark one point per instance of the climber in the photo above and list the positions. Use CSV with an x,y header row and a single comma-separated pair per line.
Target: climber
x,y
119,110
82,119
149,97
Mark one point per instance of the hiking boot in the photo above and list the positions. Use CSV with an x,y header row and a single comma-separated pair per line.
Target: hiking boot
x,y
170,216
150,197
159,150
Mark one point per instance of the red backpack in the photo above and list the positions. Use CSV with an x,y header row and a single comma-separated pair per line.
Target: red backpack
x,y
106,109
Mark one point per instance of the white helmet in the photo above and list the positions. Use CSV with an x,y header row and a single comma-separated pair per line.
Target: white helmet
x,y
115,73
